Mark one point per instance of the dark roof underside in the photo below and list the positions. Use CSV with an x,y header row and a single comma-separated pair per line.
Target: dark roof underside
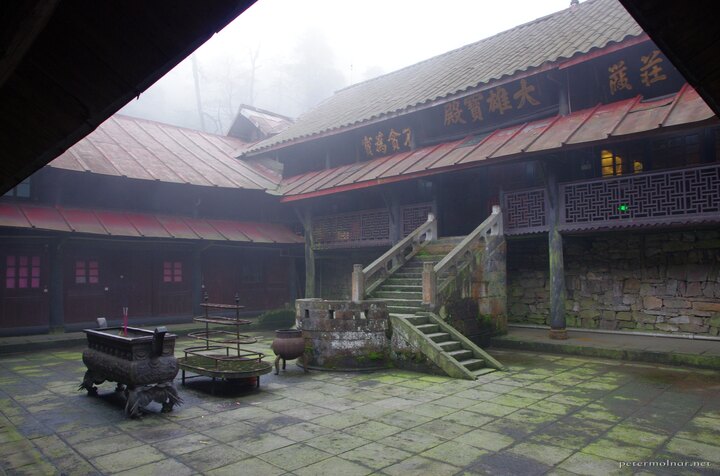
x,y
67,66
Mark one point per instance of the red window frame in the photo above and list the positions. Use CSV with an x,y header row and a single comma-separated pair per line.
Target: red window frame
x,y
22,271
87,272
172,272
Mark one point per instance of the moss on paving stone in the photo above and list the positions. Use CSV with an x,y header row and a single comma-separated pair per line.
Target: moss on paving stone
x,y
455,453
487,440
332,467
636,436
421,465
551,414
376,456
546,454
695,449
295,456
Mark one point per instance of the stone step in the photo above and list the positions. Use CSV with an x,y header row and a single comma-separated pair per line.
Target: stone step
x,y
450,345
409,317
418,264
460,354
472,364
396,280
428,328
483,371
407,295
421,258
417,320
401,310
439,337
414,303
413,288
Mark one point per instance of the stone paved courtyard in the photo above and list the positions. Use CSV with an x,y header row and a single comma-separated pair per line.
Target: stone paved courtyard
x,y
547,414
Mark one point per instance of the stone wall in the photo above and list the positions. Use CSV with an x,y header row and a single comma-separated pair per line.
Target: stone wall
x,y
652,282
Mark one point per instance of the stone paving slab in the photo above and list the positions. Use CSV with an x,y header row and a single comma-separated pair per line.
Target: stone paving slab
x,y
547,414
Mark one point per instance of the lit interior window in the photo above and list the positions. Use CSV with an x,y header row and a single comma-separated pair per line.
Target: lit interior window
x,y
610,164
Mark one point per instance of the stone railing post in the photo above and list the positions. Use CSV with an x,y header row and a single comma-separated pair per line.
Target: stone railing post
x,y
433,227
358,283
429,284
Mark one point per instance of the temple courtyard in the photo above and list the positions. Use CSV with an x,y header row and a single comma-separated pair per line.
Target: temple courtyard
x,y
547,414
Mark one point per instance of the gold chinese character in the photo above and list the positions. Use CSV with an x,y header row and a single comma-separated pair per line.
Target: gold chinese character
x,y
524,95
499,101
393,139
367,143
618,77
380,146
408,136
474,105
453,113
651,69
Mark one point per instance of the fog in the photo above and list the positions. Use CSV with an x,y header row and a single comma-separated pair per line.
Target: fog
x,y
288,55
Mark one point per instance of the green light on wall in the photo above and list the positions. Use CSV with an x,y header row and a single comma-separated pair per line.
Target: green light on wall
x,y
623,207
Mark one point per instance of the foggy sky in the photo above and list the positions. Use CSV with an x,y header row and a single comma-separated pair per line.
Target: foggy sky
x,y
287,55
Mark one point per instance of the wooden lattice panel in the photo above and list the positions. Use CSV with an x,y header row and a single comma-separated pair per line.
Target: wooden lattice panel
x,y
414,215
658,197
524,211
366,228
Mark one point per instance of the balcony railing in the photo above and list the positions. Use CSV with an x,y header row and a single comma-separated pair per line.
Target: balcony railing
x,y
366,227
660,198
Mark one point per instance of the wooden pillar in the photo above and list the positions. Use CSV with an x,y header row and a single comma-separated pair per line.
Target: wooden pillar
x,y
396,226
305,216
56,287
555,252
197,281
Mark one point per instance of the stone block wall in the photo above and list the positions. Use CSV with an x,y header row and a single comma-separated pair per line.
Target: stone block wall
x,y
638,281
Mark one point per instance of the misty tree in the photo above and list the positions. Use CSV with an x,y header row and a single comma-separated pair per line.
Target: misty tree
x,y
313,72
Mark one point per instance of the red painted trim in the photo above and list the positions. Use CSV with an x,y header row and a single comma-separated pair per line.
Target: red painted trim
x,y
512,136
625,114
547,128
675,102
496,131
582,123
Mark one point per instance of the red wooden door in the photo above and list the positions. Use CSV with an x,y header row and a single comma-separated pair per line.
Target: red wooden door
x,y
87,281
24,297
174,286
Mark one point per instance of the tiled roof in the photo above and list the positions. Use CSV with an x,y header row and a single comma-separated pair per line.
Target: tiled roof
x,y
141,149
615,120
590,25
147,225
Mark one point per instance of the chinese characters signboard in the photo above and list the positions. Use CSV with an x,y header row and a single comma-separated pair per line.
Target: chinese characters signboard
x,y
492,107
386,141
639,70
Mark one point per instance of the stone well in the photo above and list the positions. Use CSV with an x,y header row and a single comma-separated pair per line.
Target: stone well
x,y
344,335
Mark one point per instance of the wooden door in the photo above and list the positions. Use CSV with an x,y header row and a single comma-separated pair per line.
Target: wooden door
x,y
24,297
173,279
87,282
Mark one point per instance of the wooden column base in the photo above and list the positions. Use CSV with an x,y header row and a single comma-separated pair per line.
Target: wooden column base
x,y
558,334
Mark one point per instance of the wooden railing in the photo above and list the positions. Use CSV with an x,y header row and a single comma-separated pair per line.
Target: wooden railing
x,y
461,256
366,280
668,197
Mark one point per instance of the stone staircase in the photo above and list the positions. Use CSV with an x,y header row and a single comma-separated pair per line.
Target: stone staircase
x,y
440,342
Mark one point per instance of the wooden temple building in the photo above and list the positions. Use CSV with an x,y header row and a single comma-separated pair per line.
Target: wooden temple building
x,y
597,165
146,216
